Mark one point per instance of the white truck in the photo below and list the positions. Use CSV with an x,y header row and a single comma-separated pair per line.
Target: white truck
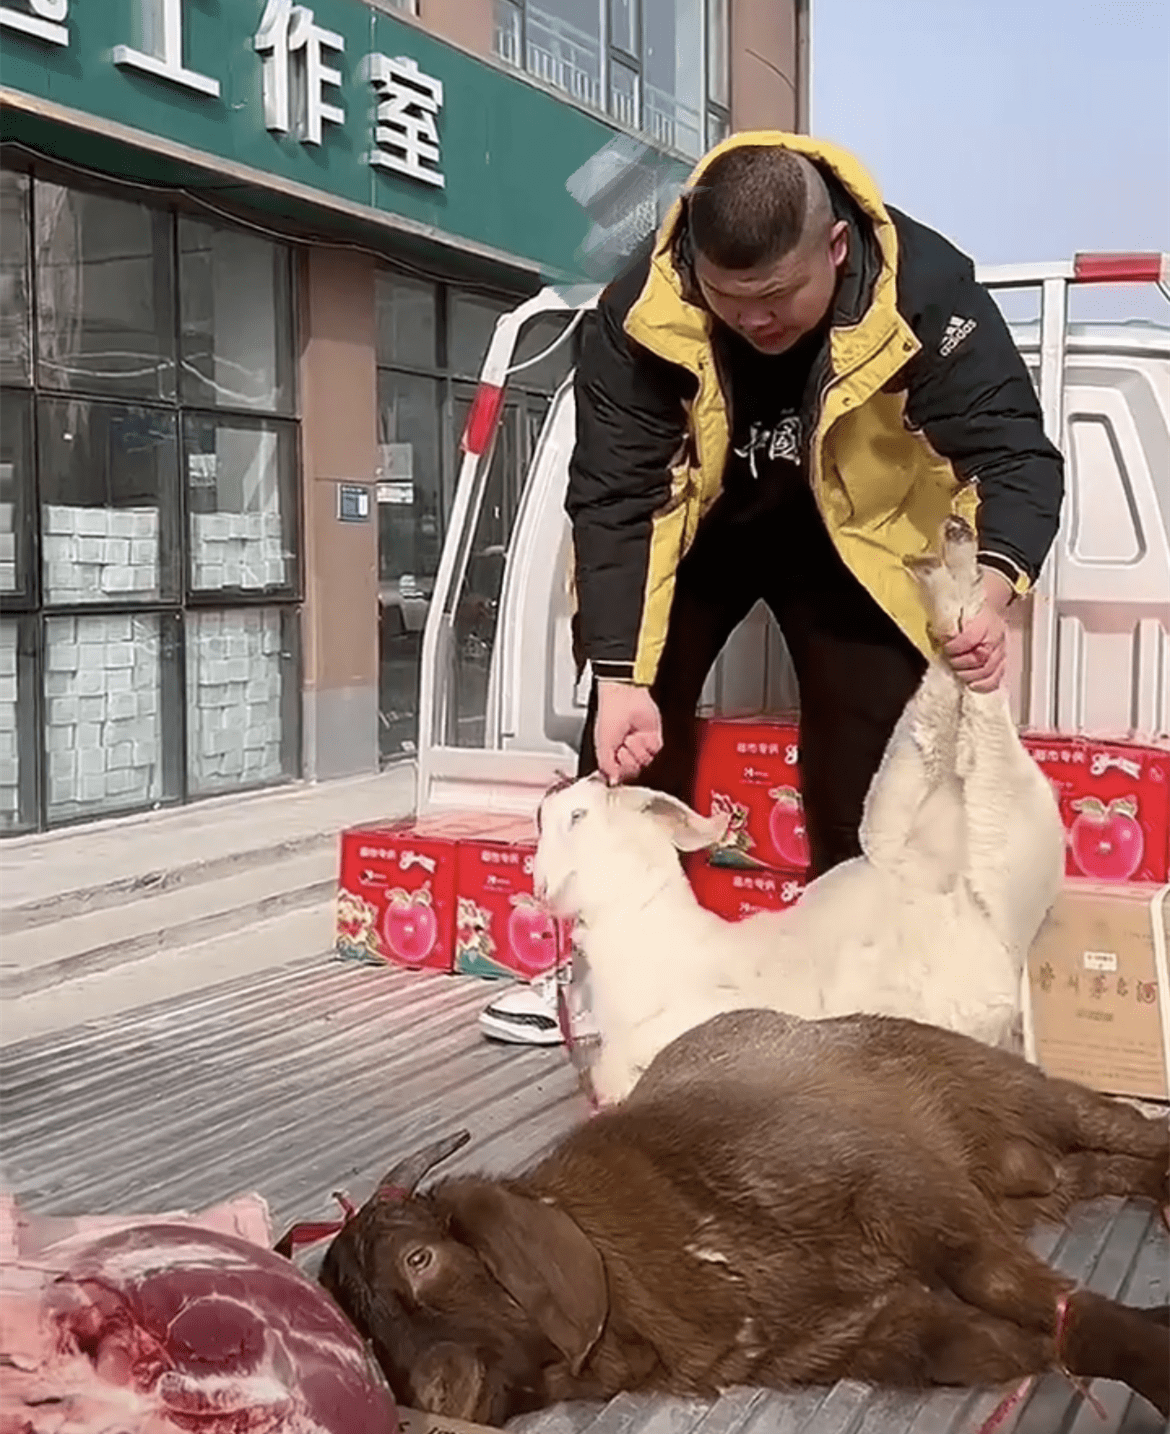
x,y
317,1076
1090,650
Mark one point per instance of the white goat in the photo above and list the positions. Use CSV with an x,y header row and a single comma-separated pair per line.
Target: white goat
x,y
963,856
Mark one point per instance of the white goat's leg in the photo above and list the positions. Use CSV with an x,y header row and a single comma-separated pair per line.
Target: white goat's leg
x,y
921,755
1014,836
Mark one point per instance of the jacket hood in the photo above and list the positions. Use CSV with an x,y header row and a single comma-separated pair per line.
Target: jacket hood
x,y
682,329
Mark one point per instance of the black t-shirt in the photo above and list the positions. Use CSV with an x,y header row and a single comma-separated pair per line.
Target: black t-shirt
x,y
768,448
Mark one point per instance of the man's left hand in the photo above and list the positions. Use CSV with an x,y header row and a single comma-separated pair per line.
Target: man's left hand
x,y
978,651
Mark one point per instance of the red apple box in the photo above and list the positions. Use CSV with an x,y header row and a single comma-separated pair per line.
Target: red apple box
x,y
1115,801
396,898
748,768
500,927
735,894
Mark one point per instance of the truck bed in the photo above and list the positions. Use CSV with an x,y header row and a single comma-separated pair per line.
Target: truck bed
x,y
319,1075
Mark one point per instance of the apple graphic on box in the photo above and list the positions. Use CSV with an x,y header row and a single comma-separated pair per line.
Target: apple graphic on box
x,y
1106,841
786,827
531,935
410,925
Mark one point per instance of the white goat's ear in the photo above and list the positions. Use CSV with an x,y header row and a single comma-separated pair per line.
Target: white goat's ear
x,y
687,829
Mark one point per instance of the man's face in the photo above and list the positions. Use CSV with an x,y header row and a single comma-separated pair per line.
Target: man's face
x,y
775,305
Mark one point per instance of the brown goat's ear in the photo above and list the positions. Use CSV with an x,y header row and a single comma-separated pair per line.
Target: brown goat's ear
x,y
448,1380
688,830
541,1257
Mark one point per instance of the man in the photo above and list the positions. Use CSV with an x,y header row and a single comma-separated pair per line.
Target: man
x,y
781,398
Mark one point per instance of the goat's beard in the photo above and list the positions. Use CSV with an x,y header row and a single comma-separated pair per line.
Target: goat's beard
x,y
558,899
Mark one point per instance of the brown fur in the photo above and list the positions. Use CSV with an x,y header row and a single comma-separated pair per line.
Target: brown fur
x,y
778,1202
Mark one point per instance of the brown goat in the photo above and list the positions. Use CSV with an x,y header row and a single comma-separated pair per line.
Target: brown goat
x,y
778,1202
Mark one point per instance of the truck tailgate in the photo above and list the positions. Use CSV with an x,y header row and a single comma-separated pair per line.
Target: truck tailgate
x,y
317,1076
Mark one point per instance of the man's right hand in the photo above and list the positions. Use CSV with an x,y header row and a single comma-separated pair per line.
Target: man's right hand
x,y
628,730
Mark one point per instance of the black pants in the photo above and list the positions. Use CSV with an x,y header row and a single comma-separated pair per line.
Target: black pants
x,y
855,667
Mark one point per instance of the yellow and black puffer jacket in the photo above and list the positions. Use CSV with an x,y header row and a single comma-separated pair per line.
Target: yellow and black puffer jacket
x,y
921,406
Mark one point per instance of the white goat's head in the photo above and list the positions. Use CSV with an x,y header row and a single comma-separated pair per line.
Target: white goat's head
x,y
598,843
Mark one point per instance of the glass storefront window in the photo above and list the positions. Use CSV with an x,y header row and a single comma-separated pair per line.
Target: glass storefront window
x,y
105,295
410,535
718,57
15,490
235,298
15,296
407,321
110,703
410,520
242,696
128,491
673,93
473,320
537,335
107,491
241,504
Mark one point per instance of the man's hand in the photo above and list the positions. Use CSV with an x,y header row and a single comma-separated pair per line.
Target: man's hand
x,y
628,730
978,651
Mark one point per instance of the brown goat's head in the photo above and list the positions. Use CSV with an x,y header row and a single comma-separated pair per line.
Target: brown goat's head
x,y
477,1301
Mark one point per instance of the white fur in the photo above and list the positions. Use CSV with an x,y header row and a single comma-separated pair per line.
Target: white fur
x,y
964,854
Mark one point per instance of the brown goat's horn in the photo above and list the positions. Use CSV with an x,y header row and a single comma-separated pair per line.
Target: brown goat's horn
x,y
406,1175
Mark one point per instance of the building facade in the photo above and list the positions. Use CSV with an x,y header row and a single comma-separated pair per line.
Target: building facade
x,y
250,259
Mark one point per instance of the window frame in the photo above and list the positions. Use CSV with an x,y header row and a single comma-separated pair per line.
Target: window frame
x,y
26,506
28,380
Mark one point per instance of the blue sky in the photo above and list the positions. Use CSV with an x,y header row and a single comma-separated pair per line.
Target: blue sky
x,y
1022,129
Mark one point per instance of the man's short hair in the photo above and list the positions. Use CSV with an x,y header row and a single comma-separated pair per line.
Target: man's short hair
x,y
756,203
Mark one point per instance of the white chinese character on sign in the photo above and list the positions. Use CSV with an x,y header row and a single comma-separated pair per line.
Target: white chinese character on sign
x,y
295,72
161,24
47,20
406,135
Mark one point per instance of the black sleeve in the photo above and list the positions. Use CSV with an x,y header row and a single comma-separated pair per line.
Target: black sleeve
x,y
631,426
970,393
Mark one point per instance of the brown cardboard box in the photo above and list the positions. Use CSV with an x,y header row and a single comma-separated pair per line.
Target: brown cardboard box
x,y
1099,988
413,1421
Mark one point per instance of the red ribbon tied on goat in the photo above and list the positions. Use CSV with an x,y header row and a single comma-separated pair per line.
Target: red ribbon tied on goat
x,y
1011,1402
308,1232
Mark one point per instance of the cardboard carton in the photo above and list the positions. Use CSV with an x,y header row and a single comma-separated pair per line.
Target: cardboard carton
x,y
1100,991
396,897
500,927
1115,801
735,894
749,768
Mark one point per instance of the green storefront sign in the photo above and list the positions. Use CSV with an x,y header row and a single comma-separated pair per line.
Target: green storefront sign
x,y
332,103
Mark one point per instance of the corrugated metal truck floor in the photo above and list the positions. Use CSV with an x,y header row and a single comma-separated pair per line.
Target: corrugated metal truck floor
x,y
319,1075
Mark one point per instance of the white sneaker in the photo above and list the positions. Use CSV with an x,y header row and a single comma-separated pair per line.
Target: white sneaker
x,y
526,1015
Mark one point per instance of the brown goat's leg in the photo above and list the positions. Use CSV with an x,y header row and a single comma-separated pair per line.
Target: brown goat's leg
x,y
1105,1340
922,1337
1089,1121
1090,1173
1101,1340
